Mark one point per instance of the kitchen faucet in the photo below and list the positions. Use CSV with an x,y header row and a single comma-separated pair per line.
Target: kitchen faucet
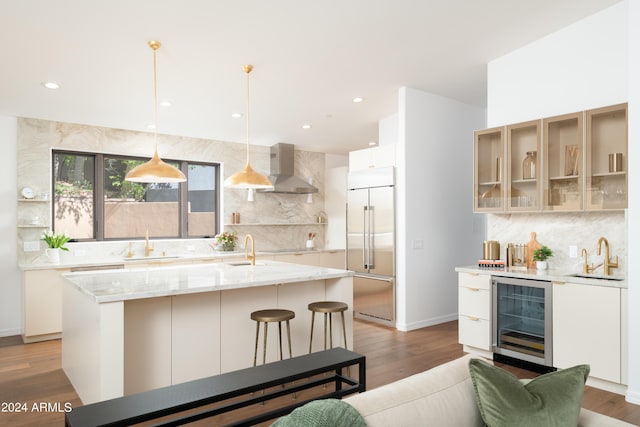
x,y
250,256
608,265
148,248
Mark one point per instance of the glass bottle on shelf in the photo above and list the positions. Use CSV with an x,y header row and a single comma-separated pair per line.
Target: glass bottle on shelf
x,y
529,166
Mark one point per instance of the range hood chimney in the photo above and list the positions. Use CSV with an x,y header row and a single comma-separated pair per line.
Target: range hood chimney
x,y
282,158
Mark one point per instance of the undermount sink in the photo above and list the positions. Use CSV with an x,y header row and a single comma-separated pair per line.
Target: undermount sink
x,y
244,263
151,258
593,276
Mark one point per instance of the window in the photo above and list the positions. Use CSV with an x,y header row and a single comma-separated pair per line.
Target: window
x,y
114,208
73,190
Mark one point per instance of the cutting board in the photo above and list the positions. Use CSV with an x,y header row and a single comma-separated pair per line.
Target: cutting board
x,y
531,248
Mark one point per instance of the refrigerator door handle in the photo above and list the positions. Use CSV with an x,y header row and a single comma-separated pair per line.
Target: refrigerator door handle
x,y
364,237
371,227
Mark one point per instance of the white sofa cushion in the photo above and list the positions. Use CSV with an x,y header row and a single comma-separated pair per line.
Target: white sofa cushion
x,y
442,396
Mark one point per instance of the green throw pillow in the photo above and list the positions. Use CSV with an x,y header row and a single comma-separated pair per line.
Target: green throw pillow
x,y
322,413
553,399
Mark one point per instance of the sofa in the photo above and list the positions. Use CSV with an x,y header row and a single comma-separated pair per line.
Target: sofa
x,y
442,396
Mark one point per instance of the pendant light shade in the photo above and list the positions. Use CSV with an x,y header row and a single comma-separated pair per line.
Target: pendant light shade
x,y
155,170
247,177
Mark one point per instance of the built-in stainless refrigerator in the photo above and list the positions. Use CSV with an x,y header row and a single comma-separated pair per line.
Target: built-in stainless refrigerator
x,y
371,243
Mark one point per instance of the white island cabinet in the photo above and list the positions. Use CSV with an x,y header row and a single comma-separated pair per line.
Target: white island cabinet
x,y
132,330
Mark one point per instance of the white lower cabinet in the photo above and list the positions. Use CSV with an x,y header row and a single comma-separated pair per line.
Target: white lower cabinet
x,y
42,304
587,328
474,310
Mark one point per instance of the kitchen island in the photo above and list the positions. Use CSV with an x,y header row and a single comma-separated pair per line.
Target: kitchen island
x,y
132,330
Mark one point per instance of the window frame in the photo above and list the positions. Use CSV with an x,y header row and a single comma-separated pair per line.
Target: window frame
x,y
98,194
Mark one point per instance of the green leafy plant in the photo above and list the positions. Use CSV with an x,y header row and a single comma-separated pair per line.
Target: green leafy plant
x,y
56,240
227,240
542,254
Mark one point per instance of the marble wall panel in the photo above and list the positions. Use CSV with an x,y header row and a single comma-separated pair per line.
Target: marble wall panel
x,y
293,214
558,231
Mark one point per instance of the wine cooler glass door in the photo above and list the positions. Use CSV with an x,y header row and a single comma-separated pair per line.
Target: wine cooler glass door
x,y
522,319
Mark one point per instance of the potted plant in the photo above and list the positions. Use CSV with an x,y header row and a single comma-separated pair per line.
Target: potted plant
x,y
227,241
540,257
55,243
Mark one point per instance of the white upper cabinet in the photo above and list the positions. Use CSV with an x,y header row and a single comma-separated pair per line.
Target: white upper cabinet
x,y
375,157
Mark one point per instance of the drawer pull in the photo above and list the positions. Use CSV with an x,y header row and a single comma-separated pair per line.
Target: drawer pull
x,y
474,289
474,319
557,282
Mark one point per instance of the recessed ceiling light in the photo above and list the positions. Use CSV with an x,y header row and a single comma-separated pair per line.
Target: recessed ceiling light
x,y
358,99
166,103
51,85
236,115
372,143
306,126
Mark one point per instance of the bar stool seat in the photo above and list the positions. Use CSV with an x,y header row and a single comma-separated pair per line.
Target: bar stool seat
x,y
270,316
328,308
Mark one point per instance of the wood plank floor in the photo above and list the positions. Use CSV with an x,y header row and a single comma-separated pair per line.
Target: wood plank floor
x,y
31,374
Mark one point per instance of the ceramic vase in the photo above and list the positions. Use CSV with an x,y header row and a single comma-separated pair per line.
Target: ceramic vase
x,y
53,254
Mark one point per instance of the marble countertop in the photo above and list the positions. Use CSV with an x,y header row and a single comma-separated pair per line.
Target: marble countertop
x,y
158,281
105,261
553,275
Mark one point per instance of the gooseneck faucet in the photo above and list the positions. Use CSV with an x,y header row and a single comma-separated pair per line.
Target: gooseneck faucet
x,y
250,256
608,265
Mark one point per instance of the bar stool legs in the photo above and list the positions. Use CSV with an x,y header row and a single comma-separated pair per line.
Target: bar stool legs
x,y
267,316
328,308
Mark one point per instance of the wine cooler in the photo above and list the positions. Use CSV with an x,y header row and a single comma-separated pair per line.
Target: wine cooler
x,y
522,325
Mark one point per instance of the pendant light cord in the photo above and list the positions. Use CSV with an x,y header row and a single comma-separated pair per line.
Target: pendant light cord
x,y
247,70
155,45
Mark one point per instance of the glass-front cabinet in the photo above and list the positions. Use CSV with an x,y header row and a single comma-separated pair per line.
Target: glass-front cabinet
x,y
563,168
606,186
489,154
523,148
572,162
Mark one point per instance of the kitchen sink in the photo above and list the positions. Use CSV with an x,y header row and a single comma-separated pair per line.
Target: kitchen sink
x,y
244,263
151,258
594,276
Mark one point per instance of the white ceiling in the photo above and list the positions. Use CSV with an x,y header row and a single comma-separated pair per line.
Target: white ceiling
x,y
311,58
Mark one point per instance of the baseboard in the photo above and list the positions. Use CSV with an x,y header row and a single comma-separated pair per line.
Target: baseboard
x,y
9,332
632,397
406,327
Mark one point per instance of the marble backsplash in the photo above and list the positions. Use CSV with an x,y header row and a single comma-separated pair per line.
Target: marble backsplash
x,y
558,231
277,221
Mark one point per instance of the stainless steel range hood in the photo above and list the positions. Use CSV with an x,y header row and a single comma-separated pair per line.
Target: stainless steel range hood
x,y
282,177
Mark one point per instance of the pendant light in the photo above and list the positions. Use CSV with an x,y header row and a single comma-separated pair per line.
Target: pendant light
x,y
155,170
247,177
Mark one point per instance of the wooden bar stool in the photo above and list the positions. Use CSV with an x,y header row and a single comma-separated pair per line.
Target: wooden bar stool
x,y
328,308
267,316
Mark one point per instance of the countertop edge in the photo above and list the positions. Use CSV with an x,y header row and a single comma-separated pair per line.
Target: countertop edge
x,y
552,275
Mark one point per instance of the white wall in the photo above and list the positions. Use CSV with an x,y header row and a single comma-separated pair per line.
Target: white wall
x,y
580,67
436,229
10,290
633,213
592,63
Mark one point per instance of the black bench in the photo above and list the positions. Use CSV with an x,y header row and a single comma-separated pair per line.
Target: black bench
x,y
325,366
